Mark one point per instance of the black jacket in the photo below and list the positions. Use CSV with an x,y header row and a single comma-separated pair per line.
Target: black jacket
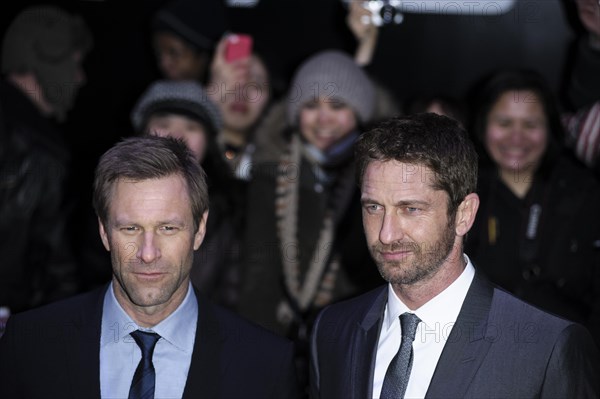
x,y
37,264
551,259
54,352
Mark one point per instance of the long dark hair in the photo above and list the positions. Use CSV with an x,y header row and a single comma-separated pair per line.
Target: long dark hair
x,y
491,88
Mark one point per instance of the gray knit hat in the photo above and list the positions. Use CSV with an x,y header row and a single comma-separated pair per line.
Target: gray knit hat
x,y
186,97
331,74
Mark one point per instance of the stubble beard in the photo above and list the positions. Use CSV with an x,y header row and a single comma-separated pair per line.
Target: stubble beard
x,y
146,296
427,259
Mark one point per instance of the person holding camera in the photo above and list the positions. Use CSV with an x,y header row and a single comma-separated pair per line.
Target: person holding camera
x,y
303,244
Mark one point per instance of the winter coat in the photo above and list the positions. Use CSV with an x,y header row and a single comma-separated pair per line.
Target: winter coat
x,y
37,264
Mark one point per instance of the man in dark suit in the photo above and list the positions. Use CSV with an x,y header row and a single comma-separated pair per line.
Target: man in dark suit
x,y
438,329
149,333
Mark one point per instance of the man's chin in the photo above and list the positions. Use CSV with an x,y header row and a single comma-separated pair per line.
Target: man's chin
x,y
392,272
146,297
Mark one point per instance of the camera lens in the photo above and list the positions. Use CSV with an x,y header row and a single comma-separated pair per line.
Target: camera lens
x,y
388,13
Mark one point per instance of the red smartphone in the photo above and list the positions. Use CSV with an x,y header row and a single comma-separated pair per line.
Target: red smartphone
x,y
238,46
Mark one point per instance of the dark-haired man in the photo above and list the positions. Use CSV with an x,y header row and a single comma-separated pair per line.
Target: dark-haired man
x,y
438,329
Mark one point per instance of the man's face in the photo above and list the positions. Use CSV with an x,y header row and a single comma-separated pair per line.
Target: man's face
x,y
150,234
60,82
589,15
405,221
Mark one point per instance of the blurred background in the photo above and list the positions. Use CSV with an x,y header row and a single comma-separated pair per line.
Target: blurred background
x,y
437,53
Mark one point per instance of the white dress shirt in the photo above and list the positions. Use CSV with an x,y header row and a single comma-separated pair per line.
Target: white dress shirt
x,y
437,318
120,355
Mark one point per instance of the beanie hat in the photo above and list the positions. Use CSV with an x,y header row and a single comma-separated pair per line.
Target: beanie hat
x,y
42,40
334,75
200,23
171,96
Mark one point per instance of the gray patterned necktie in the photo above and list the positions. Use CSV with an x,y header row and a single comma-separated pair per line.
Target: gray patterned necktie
x,y
398,372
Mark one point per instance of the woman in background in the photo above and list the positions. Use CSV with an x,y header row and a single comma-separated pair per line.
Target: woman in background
x,y
537,232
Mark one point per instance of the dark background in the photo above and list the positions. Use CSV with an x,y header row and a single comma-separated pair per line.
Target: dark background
x,y
425,54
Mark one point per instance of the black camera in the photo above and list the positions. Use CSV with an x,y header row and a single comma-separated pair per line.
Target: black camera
x,y
384,12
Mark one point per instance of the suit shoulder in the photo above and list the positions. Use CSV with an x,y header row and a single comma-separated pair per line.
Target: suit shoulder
x,y
509,308
524,324
237,326
63,309
354,307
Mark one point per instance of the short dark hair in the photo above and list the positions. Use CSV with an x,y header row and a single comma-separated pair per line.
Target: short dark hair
x,y
149,157
427,139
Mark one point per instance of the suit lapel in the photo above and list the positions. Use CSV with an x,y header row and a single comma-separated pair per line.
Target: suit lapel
x,y
466,346
206,367
82,340
365,347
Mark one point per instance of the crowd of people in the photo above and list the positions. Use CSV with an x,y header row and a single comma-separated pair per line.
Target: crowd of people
x,y
239,191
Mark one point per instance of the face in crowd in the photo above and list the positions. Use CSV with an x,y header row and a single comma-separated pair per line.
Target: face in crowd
x,y
516,134
178,60
242,106
190,130
326,121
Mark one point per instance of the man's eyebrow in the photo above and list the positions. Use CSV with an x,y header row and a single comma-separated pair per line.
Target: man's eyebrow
x,y
412,202
408,202
367,200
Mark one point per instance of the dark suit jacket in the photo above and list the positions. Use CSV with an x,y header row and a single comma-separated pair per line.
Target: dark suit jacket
x,y
53,352
500,347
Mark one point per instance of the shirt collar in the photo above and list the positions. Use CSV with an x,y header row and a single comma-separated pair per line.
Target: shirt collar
x,y
441,309
179,328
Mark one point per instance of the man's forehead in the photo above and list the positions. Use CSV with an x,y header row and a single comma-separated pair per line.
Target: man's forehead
x,y
400,172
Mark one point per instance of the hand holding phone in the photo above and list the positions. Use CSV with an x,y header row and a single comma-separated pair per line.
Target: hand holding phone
x,y
238,46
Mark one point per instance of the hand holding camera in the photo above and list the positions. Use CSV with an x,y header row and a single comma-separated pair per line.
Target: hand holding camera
x,y
239,46
359,21
384,12
379,12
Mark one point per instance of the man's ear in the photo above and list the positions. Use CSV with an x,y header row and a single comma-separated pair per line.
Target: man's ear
x,y
465,215
199,237
103,235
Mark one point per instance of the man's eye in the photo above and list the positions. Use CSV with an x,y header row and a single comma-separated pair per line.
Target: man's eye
x,y
169,229
372,208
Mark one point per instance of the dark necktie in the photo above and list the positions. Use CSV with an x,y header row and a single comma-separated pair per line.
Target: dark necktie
x,y
398,372
142,385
